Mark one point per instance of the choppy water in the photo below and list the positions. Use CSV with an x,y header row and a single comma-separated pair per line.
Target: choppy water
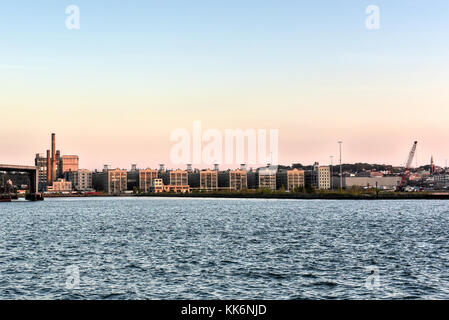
x,y
158,248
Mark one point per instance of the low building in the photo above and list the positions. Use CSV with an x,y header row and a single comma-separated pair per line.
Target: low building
x,y
368,182
158,186
81,179
60,185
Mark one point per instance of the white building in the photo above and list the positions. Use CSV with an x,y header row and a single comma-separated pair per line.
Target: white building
x,y
320,177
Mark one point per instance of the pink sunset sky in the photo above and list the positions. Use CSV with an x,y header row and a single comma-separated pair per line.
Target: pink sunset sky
x,y
114,90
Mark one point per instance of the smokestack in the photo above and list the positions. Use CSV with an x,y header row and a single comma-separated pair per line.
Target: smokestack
x,y
48,168
53,157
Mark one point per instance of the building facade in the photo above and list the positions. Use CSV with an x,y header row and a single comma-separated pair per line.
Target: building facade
x,y
81,179
233,179
179,177
323,177
238,179
266,178
319,177
40,161
67,164
291,179
209,180
146,178
112,181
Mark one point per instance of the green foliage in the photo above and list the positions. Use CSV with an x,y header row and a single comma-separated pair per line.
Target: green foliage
x,y
299,190
309,189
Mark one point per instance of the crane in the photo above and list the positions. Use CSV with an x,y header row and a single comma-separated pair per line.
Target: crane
x,y
408,165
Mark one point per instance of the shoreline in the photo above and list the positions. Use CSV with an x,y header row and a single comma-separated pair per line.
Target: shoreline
x,y
305,196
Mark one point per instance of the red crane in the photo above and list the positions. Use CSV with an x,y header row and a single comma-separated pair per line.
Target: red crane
x,y
408,165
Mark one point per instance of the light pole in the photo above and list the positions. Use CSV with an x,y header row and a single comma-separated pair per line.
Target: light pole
x,y
341,167
332,171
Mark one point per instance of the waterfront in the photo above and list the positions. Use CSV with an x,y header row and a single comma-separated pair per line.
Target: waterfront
x,y
191,248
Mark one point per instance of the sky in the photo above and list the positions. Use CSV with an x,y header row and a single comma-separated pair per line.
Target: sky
x,y
116,88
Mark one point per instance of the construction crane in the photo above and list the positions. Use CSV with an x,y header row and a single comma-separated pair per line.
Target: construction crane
x,y
408,165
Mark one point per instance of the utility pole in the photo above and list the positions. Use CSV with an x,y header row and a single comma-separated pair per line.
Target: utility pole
x,y
341,167
332,171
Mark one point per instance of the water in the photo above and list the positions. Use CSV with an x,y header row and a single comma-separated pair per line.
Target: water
x,y
169,248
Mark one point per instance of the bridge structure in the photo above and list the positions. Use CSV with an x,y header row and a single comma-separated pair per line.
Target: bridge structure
x,y
33,172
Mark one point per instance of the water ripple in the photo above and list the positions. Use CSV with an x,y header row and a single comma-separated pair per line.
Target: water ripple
x,y
159,248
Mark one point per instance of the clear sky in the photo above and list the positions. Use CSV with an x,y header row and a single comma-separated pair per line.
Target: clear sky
x,y
115,89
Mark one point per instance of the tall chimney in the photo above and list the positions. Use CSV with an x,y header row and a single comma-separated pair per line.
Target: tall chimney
x,y
53,157
48,168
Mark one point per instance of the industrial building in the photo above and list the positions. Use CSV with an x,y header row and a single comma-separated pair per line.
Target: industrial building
x,y
266,178
112,181
60,186
179,177
369,182
209,180
233,179
290,179
81,179
319,177
53,166
146,178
